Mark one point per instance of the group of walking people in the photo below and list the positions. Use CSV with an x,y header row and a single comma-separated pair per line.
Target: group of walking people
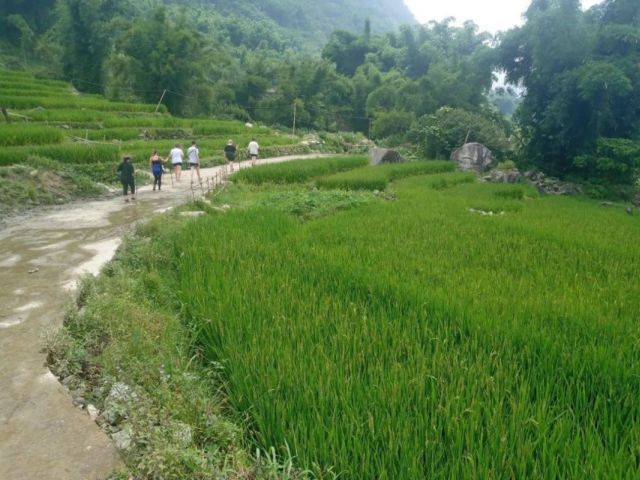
x,y
176,158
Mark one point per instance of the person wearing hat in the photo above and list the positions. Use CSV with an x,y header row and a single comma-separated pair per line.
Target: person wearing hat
x,y
230,153
126,171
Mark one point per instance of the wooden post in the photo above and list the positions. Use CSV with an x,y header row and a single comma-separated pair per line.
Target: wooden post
x,y
295,112
5,114
161,98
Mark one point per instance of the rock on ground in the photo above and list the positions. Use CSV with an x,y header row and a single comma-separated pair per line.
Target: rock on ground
x,y
473,157
384,155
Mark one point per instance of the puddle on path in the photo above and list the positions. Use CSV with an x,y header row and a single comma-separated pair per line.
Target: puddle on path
x,y
103,250
9,261
27,307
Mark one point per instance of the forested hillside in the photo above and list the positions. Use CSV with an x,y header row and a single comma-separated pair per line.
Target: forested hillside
x,y
308,22
429,86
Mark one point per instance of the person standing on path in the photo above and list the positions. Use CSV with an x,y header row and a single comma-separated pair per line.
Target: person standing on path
x,y
177,156
254,149
230,154
126,171
194,160
157,168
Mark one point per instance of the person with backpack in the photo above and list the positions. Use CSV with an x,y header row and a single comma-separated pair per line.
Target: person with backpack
x,y
157,169
126,171
230,154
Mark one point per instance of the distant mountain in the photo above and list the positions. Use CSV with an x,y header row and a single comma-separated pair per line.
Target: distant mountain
x,y
308,21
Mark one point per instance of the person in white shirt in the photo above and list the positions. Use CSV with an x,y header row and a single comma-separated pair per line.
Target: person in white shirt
x,y
254,149
177,155
194,160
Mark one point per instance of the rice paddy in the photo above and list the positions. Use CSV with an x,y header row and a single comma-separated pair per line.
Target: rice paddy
x,y
299,171
52,120
378,178
417,338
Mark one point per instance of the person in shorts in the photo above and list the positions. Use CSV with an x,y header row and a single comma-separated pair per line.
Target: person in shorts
x,y
230,154
126,171
194,160
157,169
254,149
177,156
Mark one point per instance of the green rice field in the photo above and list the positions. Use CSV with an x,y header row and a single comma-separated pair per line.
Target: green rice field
x,y
52,120
459,330
299,171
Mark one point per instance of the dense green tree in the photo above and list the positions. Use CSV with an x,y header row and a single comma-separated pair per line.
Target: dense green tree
x,y
449,128
86,30
155,55
581,78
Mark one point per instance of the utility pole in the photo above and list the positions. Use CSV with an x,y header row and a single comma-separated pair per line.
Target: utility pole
x,y
295,111
161,98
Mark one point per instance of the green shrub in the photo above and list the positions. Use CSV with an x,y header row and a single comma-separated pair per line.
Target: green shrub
x,y
393,123
616,161
506,165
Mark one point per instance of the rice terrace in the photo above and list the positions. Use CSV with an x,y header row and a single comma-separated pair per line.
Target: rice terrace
x,y
427,269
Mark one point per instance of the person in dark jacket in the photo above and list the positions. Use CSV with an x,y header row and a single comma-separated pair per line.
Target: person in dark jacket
x,y
230,154
126,171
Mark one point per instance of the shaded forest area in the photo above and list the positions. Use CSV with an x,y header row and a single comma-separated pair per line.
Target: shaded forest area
x,y
426,85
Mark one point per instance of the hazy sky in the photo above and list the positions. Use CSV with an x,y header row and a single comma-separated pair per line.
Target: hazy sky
x,y
490,15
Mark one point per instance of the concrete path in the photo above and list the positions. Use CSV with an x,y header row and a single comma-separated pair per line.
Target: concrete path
x,y
42,435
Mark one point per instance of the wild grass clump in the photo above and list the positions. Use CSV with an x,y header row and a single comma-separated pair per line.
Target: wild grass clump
x,y
24,134
298,171
378,177
414,339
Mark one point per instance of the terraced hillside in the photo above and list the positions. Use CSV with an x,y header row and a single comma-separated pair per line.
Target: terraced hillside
x,y
59,143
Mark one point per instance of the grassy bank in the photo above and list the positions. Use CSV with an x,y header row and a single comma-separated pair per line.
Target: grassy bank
x,y
42,184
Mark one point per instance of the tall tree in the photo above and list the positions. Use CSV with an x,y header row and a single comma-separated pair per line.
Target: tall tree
x,y
581,78
154,55
86,29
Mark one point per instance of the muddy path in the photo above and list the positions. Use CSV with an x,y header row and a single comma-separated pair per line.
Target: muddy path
x,y
42,435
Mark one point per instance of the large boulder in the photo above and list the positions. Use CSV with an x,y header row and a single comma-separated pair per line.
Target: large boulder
x,y
384,155
473,157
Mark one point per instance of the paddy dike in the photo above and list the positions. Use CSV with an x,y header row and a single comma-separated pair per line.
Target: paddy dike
x,y
42,434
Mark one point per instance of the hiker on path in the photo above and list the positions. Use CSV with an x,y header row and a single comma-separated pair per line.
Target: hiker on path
x,y
254,149
230,153
177,156
126,171
194,160
157,169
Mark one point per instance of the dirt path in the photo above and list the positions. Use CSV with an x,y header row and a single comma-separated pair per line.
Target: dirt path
x,y
42,435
